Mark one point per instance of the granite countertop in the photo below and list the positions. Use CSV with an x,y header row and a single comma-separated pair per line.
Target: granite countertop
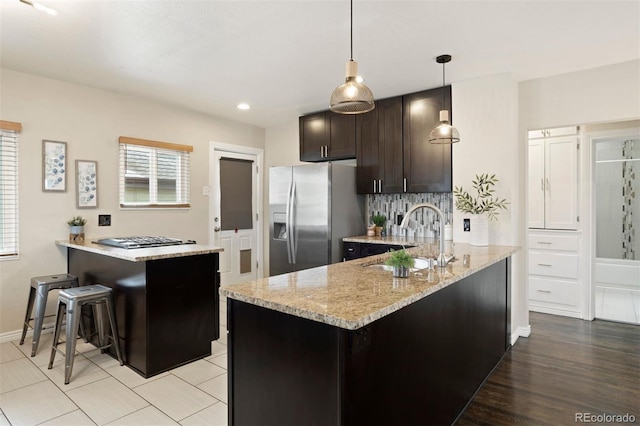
x,y
141,254
349,295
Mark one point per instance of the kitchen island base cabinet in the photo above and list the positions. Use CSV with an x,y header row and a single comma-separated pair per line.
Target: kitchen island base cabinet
x,y
166,309
419,365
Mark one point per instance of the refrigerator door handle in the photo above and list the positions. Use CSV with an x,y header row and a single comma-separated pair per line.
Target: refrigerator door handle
x,y
288,222
292,234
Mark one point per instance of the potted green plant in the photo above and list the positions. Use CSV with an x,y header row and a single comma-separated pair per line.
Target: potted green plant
x,y
401,261
379,221
76,228
483,207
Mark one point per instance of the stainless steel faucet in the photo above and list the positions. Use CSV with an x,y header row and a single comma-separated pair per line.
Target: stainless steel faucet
x,y
442,259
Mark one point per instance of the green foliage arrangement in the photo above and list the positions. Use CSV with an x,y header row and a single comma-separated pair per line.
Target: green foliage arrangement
x,y
400,258
77,221
485,201
378,219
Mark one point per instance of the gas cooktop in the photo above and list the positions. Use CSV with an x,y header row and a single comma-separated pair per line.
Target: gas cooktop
x,y
141,242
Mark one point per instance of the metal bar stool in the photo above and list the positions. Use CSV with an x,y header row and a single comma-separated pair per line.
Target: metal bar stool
x,y
72,300
38,293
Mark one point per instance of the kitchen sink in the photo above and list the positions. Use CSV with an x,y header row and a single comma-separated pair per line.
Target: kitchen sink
x,y
419,263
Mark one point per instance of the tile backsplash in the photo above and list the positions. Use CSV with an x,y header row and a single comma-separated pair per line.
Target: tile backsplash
x,y
424,222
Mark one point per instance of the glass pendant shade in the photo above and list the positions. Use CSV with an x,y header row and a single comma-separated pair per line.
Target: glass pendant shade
x,y
352,97
444,133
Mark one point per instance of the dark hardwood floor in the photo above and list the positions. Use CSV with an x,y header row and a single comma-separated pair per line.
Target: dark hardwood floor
x,y
566,366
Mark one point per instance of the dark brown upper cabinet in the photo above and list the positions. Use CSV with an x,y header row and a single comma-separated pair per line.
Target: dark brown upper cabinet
x,y
393,151
326,136
379,148
427,167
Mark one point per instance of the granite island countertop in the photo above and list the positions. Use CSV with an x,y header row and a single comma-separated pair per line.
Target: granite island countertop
x,y
350,295
141,254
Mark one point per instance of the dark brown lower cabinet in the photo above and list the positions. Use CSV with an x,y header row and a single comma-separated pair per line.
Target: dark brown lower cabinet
x,y
420,365
167,310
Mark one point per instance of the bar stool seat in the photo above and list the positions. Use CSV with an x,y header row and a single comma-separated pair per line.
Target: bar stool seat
x,y
71,301
38,293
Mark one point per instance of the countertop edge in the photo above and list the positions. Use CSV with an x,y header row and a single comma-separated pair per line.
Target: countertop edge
x,y
142,254
357,323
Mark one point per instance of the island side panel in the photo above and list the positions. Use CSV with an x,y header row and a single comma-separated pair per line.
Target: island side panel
x,y
283,370
423,363
182,310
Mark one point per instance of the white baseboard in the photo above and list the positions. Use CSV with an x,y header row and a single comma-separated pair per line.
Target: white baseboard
x,y
520,332
10,336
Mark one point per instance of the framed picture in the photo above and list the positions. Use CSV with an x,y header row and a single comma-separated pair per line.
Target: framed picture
x,y
86,184
54,166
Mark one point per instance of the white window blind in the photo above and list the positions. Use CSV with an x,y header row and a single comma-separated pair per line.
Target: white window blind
x,y
154,174
9,188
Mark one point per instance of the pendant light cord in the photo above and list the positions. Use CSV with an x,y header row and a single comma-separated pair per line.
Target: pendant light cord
x,y
444,97
351,33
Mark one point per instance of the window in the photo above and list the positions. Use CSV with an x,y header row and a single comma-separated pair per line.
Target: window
x,y
153,174
9,188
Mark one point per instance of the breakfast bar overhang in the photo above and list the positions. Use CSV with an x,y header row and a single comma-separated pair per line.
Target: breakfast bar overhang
x,y
166,298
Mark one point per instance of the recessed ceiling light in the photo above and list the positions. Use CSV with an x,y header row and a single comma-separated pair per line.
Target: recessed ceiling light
x,y
243,106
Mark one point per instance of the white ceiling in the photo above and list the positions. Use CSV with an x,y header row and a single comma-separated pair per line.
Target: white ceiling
x,y
286,57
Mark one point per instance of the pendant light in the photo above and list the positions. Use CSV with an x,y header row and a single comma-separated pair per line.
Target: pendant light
x,y
444,133
352,97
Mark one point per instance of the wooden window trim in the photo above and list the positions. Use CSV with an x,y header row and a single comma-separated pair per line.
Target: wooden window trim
x,y
155,144
10,125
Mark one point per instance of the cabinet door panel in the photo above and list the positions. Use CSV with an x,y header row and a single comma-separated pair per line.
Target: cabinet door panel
x,y
561,195
536,184
342,136
367,152
427,167
313,136
390,158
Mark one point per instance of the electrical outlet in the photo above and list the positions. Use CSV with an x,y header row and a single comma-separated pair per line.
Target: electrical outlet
x,y
104,220
466,225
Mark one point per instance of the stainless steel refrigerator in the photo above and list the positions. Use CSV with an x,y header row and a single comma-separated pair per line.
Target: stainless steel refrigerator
x,y
311,208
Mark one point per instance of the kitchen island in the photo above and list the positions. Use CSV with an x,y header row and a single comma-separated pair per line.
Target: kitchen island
x,y
349,344
166,299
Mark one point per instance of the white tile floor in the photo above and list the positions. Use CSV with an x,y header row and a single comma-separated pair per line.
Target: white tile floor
x,y
101,392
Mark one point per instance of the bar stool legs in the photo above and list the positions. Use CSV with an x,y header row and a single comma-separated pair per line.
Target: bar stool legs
x,y
38,293
71,302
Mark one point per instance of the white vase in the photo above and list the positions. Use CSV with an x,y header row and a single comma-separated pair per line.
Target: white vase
x,y
479,230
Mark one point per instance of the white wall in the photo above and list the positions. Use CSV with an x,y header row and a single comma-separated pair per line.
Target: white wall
x,y
485,112
90,121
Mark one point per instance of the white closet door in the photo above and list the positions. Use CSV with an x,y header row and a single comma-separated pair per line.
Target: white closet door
x,y
561,183
536,184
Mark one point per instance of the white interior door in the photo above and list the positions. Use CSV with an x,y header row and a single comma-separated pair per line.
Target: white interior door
x,y
234,209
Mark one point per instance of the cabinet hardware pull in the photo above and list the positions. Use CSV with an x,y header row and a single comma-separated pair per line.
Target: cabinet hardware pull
x,y
404,184
544,291
544,242
544,264
548,186
322,152
374,186
380,186
542,184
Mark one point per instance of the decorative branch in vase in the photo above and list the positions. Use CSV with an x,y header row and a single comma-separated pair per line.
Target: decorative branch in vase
x,y
485,205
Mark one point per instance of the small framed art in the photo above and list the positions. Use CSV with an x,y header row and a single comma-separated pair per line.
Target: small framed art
x,y
54,166
86,184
